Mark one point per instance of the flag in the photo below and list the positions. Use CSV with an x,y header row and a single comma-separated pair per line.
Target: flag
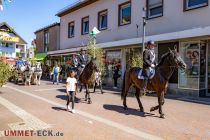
x,y
4,3
1,5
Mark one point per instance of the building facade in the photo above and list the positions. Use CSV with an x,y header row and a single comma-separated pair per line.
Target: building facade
x,y
47,39
170,23
11,44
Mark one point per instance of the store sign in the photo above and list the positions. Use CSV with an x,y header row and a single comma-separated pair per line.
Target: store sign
x,y
7,37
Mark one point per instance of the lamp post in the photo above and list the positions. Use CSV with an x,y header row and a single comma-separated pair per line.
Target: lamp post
x,y
144,28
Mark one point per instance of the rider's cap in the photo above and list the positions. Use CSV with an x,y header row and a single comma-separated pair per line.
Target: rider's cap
x,y
150,42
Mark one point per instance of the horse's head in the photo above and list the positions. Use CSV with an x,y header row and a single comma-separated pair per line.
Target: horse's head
x,y
92,64
176,60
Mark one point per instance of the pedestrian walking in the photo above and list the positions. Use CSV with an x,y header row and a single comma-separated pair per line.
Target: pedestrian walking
x,y
116,75
56,71
71,88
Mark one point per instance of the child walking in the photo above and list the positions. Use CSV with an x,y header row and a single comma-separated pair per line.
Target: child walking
x,y
71,86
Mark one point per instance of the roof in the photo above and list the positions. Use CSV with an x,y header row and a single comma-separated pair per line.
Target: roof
x,y
4,23
75,6
47,27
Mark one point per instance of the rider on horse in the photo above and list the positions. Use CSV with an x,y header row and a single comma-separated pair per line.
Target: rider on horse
x,y
83,58
148,61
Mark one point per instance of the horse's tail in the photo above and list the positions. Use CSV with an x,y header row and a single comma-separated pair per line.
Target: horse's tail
x,y
123,87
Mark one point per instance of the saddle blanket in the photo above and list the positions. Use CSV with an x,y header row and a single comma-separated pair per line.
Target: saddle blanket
x,y
141,74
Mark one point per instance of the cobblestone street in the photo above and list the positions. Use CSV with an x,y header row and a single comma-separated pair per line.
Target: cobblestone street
x,y
43,108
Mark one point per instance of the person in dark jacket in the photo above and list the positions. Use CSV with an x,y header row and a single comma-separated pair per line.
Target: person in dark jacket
x,y
83,58
148,61
116,76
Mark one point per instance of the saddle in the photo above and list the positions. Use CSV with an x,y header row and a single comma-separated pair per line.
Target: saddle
x,y
141,73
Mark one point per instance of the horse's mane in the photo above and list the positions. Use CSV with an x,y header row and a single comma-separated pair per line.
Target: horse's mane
x,y
164,56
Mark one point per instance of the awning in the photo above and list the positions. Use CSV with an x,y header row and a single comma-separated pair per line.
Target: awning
x,y
39,56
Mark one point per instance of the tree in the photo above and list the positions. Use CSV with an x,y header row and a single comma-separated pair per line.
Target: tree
x,y
96,52
5,72
134,59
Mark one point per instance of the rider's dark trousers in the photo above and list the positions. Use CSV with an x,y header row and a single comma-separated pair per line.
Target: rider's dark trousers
x,y
71,98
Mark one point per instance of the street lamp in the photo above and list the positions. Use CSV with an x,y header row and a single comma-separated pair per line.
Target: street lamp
x,y
144,27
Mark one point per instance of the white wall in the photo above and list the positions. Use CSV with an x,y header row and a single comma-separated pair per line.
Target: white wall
x,y
174,19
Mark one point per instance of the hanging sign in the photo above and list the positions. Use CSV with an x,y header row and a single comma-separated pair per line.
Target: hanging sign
x,y
7,37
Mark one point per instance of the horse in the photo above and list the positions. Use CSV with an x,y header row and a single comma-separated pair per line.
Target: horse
x,y
87,77
159,83
28,73
37,73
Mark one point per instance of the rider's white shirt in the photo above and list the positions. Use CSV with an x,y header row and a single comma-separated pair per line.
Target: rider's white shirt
x,y
71,84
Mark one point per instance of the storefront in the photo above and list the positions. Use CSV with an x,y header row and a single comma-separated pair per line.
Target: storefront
x,y
196,56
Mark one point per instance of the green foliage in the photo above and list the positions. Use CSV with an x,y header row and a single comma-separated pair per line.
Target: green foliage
x,y
94,51
134,59
5,73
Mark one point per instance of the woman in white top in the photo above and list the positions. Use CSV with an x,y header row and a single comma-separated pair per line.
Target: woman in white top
x,y
71,86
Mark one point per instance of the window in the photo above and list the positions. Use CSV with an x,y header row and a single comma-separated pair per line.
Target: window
x,y
125,13
154,8
102,20
46,38
85,25
71,30
192,4
194,55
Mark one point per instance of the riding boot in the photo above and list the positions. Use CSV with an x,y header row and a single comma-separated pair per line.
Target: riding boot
x,y
145,84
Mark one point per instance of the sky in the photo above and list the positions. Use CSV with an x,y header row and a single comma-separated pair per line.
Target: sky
x,y
27,16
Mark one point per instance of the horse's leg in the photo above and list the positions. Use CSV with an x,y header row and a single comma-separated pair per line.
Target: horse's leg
x,y
86,92
89,99
80,90
161,102
125,95
39,79
138,99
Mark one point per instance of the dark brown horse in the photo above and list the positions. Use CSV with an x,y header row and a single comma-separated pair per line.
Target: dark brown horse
x,y
159,83
86,78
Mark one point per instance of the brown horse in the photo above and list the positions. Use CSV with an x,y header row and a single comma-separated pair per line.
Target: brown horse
x,y
159,83
86,77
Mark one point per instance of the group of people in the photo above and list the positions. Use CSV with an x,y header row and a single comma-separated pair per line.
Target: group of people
x,y
71,82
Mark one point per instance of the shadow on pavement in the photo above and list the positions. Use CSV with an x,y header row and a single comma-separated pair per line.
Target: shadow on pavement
x,y
130,111
77,100
59,108
62,90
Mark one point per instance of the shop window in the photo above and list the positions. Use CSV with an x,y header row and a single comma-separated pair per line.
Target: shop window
x,y
102,19
154,8
125,13
85,25
112,60
71,30
194,55
192,4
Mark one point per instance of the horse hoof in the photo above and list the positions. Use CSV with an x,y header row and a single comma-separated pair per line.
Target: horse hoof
x,y
152,109
141,109
85,99
125,107
89,102
162,116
